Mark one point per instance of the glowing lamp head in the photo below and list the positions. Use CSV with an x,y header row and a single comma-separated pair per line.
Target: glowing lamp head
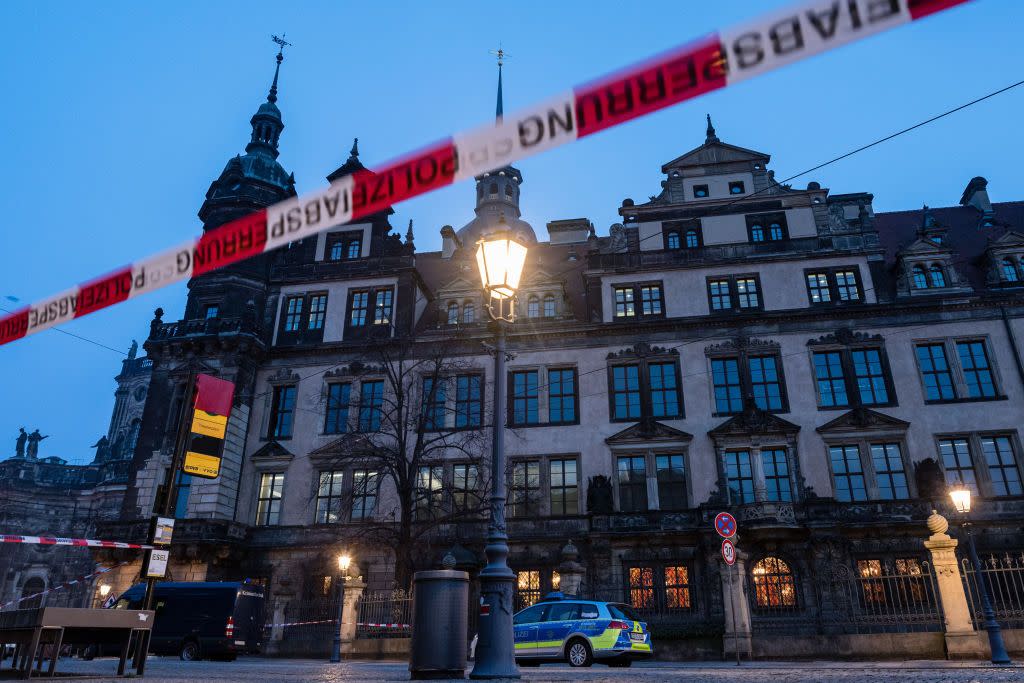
x,y
500,258
104,590
961,496
344,560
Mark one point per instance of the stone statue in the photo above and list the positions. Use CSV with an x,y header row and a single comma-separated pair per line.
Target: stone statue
x,y
102,449
599,496
19,448
33,443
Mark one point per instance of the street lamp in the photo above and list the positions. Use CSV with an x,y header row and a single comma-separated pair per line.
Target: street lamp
x,y
500,258
344,560
961,496
104,590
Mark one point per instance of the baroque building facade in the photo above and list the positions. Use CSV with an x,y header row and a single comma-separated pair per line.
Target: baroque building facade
x,y
820,370
46,496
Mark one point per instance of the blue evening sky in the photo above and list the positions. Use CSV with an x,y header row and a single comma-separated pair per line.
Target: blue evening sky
x,y
116,117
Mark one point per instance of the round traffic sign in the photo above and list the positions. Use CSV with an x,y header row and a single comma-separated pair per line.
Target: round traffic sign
x,y
728,552
725,525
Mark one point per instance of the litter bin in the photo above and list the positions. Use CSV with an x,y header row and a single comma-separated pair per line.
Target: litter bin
x,y
440,603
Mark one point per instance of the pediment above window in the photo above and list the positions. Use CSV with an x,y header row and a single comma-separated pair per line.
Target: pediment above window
x,y
844,336
742,344
753,422
283,376
647,431
862,419
271,454
642,350
354,369
345,446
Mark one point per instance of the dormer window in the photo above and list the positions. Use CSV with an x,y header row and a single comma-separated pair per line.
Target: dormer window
x,y
700,191
468,312
1011,270
453,313
533,306
919,278
672,240
344,246
736,187
549,306
937,277
692,239
681,234
768,227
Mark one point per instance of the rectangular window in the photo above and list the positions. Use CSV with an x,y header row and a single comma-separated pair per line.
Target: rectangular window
x,y
282,413
465,482
358,304
818,288
328,497
211,311
938,381
677,587
700,191
721,299
734,293
433,404
336,416
776,474
847,285
650,300
268,504
468,403
625,307
632,476
641,587
564,487
977,373
343,245
429,493
364,493
562,396
371,399
524,499
910,568
664,390
746,293
957,463
317,311
527,588
873,591
382,308
765,383
525,398
725,375
293,313
740,477
889,471
870,376
671,482
828,371
847,474
626,391
736,187
836,285
1002,466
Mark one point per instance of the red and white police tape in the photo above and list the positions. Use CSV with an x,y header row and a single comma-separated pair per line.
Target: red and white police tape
x,y
724,58
333,621
62,586
79,542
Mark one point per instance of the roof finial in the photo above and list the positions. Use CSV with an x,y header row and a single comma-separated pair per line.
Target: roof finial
x,y
499,110
272,97
354,152
408,233
711,137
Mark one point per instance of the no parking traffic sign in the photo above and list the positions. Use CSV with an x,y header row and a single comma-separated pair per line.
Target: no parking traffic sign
x,y
725,525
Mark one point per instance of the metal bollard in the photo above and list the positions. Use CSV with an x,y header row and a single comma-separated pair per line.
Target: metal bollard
x,y
440,613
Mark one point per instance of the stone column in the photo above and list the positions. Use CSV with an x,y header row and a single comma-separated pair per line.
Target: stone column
x,y
354,588
737,609
570,571
961,638
757,471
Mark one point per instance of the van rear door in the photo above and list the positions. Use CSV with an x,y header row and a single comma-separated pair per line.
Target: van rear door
x,y
248,617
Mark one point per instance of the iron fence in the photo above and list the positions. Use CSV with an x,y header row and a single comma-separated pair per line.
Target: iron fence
x,y
1004,578
384,614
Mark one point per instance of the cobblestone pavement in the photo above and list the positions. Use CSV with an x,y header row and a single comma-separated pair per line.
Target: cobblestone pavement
x,y
257,670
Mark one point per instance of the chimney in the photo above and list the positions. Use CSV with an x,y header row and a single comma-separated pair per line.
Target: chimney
x,y
976,195
571,231
449,242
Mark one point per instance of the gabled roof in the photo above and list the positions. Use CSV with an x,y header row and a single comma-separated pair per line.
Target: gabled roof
x,y
754,422
711,153
273,449
648,430
861,418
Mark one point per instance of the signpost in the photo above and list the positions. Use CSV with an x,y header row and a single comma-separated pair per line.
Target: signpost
x,y
725,526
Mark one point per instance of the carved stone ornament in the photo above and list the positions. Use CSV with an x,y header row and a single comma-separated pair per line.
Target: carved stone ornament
x,y
353,369
642,350
844,336
863,418
753,421
283,375
742,343
648,430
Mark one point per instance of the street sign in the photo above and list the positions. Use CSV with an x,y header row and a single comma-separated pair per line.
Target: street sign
x,y
725,525
209,427
163,531
157,567
728,552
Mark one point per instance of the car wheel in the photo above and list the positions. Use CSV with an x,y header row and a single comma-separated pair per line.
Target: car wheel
x,y
622,664
578,653
190,651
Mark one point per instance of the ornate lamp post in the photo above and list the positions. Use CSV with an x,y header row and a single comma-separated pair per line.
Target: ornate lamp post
x,y
961,496
500,258
344,560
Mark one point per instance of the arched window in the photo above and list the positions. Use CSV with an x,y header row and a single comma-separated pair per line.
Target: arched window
x,y
133,438
757,233
468,312
32,587
493,189
938,278
549,306
355,248
919,278
453,313
692,240
1010,273
774,585
672,241
508,189
775,231
533,307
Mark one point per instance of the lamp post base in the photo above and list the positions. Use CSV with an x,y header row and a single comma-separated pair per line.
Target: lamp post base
x,y
495,649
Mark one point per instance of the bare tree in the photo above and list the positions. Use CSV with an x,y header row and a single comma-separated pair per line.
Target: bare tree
x,y
430,412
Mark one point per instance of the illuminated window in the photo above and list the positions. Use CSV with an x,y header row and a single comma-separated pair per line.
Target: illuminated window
x,y
641,587
527,588
774,585
872,590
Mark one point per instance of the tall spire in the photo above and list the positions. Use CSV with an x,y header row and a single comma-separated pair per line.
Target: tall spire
x,y
711,137
499,109
272,97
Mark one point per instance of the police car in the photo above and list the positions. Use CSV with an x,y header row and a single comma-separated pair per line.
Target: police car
x,y
563,628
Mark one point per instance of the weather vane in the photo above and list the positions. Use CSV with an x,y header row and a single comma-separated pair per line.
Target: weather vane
x,y
502,55
280,41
